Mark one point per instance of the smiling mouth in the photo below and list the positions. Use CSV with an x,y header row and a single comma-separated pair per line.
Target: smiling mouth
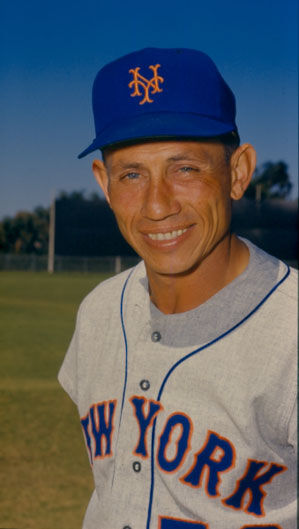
x,y
168,236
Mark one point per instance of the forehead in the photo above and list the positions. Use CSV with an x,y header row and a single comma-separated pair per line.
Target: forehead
x,y
207,151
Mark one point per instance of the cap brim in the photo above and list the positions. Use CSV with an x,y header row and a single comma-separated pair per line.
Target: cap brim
x,y
160,125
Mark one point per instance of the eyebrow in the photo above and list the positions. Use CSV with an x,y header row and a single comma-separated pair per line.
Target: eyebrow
x,y
183,156
129,165
202,157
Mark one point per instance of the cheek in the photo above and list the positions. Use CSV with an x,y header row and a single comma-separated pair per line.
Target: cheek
x,y
205,196
126,192
212,205
125,209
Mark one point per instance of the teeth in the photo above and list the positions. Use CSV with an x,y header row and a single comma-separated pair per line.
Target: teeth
x,y
166,236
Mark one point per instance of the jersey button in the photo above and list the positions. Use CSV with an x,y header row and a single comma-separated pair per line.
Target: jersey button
x,y
136,466
156,336
126,527
144,384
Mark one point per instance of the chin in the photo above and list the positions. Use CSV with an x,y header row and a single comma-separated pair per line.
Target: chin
x,y
171,268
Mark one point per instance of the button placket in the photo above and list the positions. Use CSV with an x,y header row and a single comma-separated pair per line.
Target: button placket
x,y
156,336
144,384
136,466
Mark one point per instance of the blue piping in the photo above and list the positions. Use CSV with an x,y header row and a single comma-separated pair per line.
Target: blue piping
x,y
182,360
126,343
126,355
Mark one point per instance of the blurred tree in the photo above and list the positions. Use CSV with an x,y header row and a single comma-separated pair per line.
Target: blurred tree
x,y
87,226
3,242
25,232
271,180
73,196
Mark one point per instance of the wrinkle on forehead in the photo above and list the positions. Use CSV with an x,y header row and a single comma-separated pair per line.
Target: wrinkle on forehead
x,y
132,156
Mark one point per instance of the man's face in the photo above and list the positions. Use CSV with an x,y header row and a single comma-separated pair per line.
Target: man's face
x,y
171,201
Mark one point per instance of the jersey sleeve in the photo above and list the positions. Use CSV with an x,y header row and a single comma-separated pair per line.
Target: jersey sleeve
x,y
68,373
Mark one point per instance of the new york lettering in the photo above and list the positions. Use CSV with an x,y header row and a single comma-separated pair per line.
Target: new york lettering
x,y
165,522
98,426
216,456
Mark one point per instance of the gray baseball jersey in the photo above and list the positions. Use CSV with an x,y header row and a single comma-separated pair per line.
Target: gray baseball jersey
x,y
189,419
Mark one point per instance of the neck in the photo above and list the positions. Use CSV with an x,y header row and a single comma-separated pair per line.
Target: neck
x,y
180,293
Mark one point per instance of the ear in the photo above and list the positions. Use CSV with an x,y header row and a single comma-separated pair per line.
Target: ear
x,y
102,178
243,162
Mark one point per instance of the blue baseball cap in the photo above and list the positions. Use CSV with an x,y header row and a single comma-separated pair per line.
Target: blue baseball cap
x,y
160,93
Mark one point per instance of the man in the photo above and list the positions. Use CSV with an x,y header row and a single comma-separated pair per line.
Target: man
x,y
183,368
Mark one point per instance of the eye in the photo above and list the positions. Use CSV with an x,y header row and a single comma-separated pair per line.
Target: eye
x,y
188,169
131,176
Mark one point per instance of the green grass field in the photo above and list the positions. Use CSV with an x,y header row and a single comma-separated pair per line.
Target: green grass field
x,y
45,476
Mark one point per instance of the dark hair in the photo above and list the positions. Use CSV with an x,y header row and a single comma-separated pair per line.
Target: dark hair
x,y
230,142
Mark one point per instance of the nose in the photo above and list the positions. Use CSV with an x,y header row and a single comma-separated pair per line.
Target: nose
x,y
159,201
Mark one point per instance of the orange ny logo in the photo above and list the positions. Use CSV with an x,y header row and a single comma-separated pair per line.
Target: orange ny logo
x,y
149,86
